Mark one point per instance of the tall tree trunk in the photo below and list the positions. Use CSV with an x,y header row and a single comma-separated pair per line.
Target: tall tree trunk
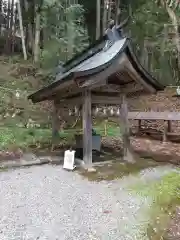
x,y
30,38
7,45
8,14
109,11
70,29
105,15
175,22
117,12
144,55
163,59
11,42
1,11
98,18
37,32
21,30
90,19
37,37
70,47
15,21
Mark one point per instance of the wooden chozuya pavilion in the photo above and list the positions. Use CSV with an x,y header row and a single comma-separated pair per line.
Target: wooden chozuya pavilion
x,y
105,73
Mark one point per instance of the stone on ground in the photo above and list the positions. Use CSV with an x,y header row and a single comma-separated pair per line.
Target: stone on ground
x,y
46,202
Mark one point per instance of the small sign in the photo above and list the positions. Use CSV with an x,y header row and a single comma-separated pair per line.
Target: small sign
x,y
69,157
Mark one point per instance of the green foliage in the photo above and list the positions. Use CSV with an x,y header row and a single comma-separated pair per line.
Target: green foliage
x,y
149,29
65,32
21,137
13,135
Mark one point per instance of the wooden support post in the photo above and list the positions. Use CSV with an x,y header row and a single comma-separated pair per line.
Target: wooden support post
x,y
105,127
124,115
125,130
165,132
139,125
169,127
55,125
87,128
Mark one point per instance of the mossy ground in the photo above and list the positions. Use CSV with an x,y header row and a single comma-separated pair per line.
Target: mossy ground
x,y
165,196
116,168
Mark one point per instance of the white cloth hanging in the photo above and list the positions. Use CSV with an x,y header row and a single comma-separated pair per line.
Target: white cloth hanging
x,y
178,90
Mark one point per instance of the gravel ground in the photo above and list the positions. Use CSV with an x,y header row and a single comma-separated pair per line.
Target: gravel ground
x,y
47,202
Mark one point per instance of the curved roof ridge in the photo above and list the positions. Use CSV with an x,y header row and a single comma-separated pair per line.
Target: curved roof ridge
x,y
96,63
142,70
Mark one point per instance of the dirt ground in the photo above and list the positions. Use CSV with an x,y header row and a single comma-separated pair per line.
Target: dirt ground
x,y
173,232
161,152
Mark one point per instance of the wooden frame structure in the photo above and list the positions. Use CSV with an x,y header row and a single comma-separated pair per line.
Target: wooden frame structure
x,y
167,117
99,76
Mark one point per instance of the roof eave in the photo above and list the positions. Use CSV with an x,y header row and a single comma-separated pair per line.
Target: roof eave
x,y
73,75
142,71
44,93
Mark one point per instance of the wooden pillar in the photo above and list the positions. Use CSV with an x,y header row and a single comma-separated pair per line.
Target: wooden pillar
x,y
165,132
139,125
169,126
55,124
87,128
125,128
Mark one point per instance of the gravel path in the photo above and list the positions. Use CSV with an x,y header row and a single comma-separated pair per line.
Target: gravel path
x,y
47,202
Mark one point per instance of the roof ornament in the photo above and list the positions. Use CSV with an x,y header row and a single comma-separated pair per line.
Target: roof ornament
x,y
110,35
114,32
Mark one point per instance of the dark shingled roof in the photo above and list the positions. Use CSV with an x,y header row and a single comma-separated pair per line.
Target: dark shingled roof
x,y
94,60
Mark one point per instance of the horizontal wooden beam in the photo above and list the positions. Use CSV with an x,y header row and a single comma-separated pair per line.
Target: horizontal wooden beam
x,y
129,88
71,101
95,100
107,100
167,116
93,82
121,89
102,83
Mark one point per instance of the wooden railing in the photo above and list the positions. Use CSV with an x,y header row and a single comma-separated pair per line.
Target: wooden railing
x,y
167,117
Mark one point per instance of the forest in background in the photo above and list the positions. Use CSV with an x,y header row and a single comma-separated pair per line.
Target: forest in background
x,y
49,32
38,36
